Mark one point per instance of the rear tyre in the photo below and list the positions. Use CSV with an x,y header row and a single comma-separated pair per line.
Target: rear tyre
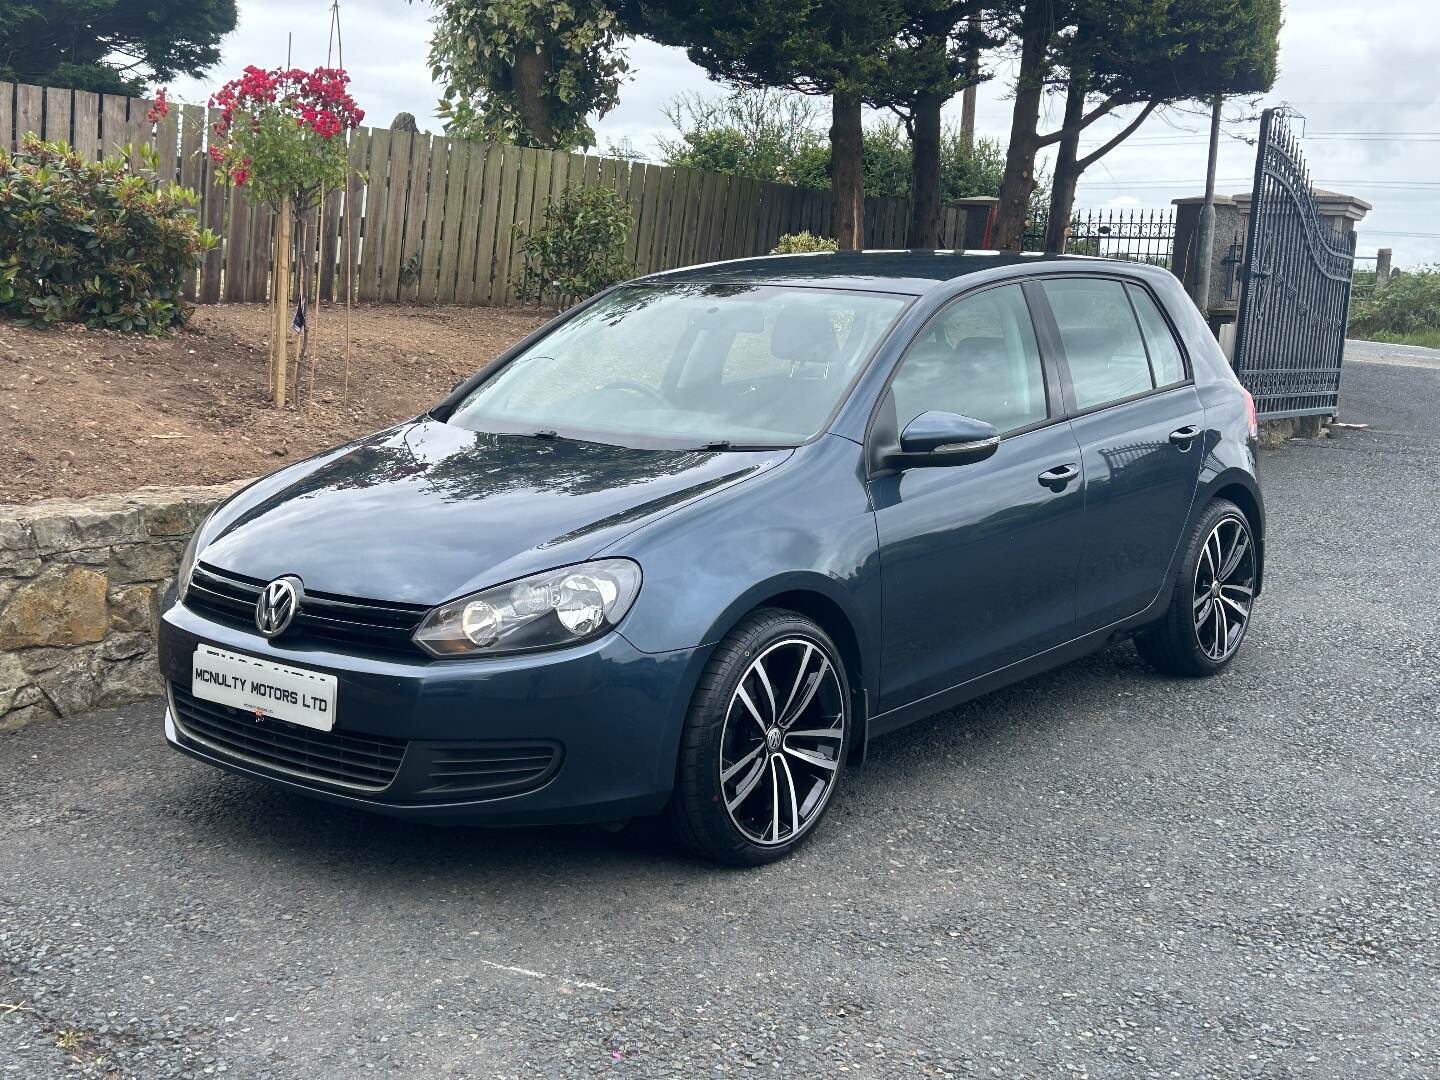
x,y
764,744
1209,612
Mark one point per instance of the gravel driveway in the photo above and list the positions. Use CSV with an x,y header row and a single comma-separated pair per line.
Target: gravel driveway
x,y
1098,873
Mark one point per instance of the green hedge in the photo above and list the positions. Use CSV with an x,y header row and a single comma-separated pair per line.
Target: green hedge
x,y
1408,307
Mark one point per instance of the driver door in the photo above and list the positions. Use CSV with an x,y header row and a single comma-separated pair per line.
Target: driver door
x,y
978,561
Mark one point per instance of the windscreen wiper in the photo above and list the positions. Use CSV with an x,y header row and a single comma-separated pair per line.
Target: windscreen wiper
x,y
726,444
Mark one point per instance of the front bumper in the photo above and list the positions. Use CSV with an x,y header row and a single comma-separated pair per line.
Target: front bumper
x,y
613,713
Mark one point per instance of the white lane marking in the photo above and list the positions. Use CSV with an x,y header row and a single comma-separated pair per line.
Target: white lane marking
x,y
578,983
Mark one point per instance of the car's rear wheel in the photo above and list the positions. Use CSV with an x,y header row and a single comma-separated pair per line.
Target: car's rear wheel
x,y
1209,611
764,743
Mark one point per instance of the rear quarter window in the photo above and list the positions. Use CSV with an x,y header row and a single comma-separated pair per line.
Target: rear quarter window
x,y
1166,360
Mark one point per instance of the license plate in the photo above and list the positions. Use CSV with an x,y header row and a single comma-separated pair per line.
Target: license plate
x,y
263,688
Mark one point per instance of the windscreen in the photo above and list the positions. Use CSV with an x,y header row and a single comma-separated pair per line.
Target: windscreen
x,y
689,365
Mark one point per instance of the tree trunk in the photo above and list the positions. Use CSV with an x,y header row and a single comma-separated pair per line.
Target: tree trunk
x,y
847,177
1019,180
528,75
925,173
972,92
1067,172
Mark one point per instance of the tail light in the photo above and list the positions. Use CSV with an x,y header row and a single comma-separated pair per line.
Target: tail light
x,y
1250,409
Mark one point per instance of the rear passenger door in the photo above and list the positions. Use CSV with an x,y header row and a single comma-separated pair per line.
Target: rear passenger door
x,y
977,560
1140,425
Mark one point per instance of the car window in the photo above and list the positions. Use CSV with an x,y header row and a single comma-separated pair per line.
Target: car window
x,y
1165,359
689,364
1101,338
818,332
978,358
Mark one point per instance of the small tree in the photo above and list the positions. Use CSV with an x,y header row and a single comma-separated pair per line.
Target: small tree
x,y
281,134
580,248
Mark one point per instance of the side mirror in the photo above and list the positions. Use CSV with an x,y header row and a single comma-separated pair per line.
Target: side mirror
x,y
936,439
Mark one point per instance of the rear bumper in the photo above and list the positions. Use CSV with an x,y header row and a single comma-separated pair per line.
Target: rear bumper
x,y
612,713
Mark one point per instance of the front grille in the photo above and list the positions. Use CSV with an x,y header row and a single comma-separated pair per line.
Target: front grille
x,y
365,762
491,768
377,624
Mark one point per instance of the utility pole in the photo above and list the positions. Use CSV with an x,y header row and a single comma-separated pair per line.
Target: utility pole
x,y
1205,245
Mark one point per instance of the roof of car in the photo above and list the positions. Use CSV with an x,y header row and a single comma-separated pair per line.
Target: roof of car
x,y
877,271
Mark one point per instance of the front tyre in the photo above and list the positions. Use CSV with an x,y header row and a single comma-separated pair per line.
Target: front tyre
x,y
764,743
1209,611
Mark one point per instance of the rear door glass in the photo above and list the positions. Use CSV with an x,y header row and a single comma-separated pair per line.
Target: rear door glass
x,y
1102,340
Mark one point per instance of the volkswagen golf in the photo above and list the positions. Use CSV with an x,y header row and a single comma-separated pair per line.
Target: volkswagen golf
x,y
688,547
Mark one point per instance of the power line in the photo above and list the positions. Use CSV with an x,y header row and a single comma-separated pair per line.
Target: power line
x,y
1398,185
1352,101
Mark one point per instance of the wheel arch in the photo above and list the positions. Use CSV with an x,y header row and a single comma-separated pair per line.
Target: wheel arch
x,y
825,603
1247,499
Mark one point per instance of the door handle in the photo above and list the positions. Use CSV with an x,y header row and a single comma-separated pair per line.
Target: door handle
x,y
1057,478
1183,437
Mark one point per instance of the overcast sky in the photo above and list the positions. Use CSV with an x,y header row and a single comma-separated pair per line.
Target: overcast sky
x,y
1363,75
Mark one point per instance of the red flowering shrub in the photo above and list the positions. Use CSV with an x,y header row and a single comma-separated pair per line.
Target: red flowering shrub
x,y
281,132
160,109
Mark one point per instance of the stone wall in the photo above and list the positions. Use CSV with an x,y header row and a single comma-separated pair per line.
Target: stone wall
x,y
80,584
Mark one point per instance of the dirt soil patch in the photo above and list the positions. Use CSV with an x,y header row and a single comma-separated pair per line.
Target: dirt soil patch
x,y
91,412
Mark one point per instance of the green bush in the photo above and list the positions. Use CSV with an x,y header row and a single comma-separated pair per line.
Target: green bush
x,y
1408,306
580,247
92,242
796,243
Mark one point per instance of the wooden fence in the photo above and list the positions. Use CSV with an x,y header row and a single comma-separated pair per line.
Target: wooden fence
x,y
432,219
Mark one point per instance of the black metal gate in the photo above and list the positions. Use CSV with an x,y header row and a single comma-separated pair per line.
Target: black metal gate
x,y
1295,286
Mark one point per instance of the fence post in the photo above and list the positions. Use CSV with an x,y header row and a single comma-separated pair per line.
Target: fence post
x,y
1382,268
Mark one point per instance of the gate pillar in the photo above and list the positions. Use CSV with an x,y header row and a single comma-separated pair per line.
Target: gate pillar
x,y
1224,301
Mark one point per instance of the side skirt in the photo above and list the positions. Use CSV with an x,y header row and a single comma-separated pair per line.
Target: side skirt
x,y
1095,640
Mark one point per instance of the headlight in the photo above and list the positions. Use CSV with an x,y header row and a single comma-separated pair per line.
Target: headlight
x,y
188,557
543,611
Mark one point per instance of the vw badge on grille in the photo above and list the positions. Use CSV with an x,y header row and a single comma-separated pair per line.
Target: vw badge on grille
x,y
276,606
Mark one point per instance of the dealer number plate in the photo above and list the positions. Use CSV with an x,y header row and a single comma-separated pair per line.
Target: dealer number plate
x,y
264,688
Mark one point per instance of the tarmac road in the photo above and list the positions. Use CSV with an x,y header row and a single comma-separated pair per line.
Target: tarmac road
x,y
1098,873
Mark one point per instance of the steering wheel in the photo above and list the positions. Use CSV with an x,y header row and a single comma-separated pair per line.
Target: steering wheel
x,y
637,387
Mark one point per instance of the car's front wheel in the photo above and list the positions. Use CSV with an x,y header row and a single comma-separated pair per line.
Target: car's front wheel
x,y
1209,613
764,742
